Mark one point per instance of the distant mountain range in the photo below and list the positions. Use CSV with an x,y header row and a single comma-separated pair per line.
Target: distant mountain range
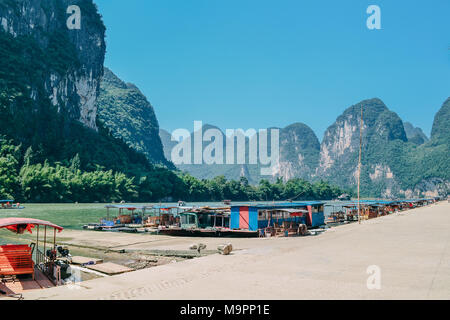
x,y
299,154
398,159
414,134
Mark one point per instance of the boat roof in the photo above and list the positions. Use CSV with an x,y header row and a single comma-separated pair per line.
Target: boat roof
x,y
370,203
12,222
170,207
417,200
286,205
294,210
209,210
378,203
127,206
5,201
212,213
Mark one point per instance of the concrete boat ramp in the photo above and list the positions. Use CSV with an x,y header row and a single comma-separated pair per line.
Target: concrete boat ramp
x,y
400,256
78,260
107,268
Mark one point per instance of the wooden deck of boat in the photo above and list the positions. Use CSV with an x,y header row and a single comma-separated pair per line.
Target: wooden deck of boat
x,y
21,285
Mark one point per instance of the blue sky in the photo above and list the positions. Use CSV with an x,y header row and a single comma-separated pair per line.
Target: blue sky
x,y
258,64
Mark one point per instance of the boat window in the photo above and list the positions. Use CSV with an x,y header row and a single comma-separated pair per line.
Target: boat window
x,y
205,220
226,222
219,221
188,219
278,214
263,215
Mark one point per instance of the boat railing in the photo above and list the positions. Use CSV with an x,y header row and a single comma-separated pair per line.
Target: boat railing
x,y
47,267
39,259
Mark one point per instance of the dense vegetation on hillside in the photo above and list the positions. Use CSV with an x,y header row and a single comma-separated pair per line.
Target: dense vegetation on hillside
x,y
23,178
51,139
31,120
240,190
300,147
40,140
441,125
126,112
392,166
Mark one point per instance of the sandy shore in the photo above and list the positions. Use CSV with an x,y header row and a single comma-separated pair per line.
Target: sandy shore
x,y
411,250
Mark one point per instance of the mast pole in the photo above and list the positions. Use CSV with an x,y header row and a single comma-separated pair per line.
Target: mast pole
x,y
45,240
37,245
359,165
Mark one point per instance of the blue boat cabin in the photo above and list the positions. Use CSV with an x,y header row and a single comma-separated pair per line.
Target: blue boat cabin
x,y
256,217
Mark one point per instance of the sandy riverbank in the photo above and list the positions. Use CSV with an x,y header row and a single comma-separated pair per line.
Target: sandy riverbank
x,y
411,249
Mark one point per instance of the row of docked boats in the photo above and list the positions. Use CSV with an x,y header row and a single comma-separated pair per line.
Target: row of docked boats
x,y
245,220
370,209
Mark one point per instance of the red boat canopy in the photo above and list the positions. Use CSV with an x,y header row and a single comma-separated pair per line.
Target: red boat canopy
x,y
20,225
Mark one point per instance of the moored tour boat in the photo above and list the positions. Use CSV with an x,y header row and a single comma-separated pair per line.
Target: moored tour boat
x,y
9,204
26,267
